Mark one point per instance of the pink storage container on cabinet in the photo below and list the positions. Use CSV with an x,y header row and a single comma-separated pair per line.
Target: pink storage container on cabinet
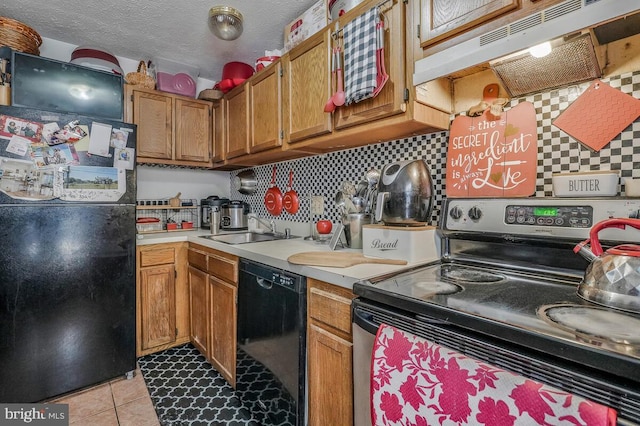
x,y
174,77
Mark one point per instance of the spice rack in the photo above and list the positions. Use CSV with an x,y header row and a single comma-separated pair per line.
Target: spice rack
x,y
183,218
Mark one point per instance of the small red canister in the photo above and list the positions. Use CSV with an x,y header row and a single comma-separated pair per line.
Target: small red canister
x,y
265,61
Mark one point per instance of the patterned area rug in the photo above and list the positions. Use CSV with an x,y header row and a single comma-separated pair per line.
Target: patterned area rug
x,y
262,392
186,390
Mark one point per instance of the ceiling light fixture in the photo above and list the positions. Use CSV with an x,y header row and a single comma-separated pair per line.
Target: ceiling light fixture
x,y
225,22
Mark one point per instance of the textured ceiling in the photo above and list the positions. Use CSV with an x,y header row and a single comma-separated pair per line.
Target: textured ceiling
x,y
169,29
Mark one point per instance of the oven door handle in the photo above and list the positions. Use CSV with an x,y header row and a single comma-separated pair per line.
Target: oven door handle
x,y
430,320
365,321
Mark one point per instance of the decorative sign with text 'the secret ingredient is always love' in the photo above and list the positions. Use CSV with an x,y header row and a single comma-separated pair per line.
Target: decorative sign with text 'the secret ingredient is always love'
x,y
493,156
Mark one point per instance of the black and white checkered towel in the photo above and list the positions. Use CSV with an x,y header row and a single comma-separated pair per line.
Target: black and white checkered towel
x,y
360,57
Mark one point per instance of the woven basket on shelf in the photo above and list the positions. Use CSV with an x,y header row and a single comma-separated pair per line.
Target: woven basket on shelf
x,y
19,36
141,78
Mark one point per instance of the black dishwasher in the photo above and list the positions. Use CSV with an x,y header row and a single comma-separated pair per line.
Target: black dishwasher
x,y
271,361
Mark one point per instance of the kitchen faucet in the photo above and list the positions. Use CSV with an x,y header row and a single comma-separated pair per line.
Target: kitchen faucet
x,y
271,224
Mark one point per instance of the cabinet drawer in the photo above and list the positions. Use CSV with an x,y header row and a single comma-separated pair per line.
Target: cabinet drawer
x,y
223,267
198,260
330,308
157,257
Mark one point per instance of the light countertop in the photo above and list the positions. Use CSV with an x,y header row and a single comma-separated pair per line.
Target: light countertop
x,y
275,254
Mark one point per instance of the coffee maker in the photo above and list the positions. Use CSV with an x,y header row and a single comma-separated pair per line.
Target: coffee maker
x,y
205,209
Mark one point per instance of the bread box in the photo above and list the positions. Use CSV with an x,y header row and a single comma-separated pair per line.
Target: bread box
x,y
413,244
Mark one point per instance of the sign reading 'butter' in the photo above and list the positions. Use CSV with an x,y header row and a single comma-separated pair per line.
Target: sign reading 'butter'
x,y
586,184
581,185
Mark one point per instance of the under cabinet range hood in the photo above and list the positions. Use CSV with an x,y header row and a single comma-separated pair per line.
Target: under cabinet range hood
x,y
501,48
570,60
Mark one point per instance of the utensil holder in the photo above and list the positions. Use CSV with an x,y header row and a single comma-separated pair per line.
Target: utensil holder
x,y
354,230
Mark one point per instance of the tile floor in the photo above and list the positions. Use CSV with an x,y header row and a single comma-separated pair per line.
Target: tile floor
x,y
119,402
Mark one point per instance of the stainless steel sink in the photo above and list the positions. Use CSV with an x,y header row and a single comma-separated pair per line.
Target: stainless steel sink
x,y
246,237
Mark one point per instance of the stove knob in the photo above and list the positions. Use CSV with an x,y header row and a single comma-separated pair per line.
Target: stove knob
x,y
475,213
455,213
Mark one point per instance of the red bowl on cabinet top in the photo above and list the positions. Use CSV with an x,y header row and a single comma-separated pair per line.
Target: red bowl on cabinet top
x,y
237,70
234,74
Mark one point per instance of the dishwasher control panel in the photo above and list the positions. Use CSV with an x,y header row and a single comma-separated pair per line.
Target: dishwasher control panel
x,y
268,276
284,280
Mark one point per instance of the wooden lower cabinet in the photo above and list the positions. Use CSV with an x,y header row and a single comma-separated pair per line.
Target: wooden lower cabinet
x,y
162,314
158,306
198,295
330,378
213,288
223,326
329,354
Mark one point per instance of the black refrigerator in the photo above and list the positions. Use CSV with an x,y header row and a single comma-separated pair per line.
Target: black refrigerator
x,y
67,253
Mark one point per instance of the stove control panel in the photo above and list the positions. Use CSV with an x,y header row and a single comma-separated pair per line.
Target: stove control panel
x,y
556,217
540,215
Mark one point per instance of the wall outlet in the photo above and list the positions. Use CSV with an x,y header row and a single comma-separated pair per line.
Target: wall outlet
x,y
317,205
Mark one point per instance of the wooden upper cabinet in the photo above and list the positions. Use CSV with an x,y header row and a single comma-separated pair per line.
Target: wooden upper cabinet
x,y
266,109
391,99
441,19
237,122
218,131
193,134
254,112
172,129
153,113
307,87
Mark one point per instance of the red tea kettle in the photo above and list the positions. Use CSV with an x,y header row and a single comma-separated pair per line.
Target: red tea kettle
x,y
613,276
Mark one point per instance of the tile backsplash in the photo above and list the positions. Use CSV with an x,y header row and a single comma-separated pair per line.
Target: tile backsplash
x,y
557,152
